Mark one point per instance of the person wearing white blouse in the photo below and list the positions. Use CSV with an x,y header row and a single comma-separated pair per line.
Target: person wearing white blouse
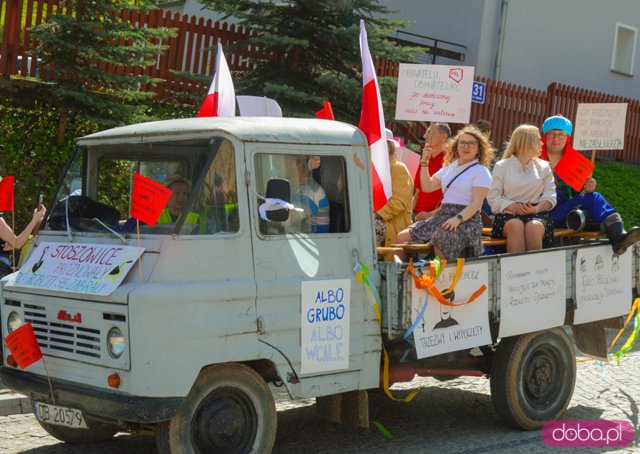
x,y
523,193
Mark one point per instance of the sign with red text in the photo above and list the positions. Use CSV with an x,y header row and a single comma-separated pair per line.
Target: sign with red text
x,y
325,315
95,269
23,345
574,169
434,93
600,126
148,199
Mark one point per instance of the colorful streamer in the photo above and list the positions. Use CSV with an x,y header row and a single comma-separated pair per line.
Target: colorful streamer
x,y
633,337
383,430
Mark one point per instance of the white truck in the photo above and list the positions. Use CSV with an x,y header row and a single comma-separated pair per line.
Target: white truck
x,y
181,328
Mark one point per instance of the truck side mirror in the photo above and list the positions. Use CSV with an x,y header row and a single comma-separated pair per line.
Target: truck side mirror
x,y
278,188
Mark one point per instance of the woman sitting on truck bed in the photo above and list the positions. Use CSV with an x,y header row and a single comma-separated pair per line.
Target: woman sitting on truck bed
x,y
523,193
465,180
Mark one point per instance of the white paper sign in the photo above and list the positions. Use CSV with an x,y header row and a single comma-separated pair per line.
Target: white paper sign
x,y
95,269
258,106
532,292
325,315
410,158
443,328
434,93
603,284
600,126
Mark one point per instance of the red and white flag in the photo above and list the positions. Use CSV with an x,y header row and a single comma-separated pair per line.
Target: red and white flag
x,y
372,124
221,99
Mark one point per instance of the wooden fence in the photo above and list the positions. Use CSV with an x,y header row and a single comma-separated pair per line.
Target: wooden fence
x,y
192,51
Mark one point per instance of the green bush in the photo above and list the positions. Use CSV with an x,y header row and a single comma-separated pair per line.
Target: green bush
x,y
619,183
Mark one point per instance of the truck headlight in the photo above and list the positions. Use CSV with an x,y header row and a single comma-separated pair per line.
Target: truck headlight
x,y
115,342
14,322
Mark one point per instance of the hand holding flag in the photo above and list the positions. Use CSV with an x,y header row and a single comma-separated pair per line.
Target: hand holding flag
x,y
221,99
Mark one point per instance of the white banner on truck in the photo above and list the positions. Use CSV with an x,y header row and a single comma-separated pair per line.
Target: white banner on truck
x,y
325,315
442,328
532,292
96,269
603,284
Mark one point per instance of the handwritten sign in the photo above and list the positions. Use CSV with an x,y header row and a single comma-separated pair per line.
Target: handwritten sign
x,y
532,292
78,268
442,328
148,199
603,284
434,93
600,126
574,169
325,315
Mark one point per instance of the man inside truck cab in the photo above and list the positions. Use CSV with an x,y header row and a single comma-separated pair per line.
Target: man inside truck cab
x,y
181,189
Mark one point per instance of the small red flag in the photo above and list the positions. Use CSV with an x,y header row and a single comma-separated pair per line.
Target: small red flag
x,y
574,169
326,112
23,345
6,193
148,199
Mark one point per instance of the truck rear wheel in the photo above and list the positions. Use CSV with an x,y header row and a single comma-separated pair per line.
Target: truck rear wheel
x,y
532,378
229,409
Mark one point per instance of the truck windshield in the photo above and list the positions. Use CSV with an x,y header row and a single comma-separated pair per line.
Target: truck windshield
x,y
95,193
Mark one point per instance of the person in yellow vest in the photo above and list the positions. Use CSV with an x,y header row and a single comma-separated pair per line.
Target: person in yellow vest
x,y
181,188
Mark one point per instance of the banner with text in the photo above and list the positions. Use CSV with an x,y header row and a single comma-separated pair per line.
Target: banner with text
x,y
325,316
442,328
78,268
603,284
434,93
532,292
600,126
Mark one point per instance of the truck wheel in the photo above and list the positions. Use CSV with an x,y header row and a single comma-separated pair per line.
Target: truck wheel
x,y
229,409
532,378
98,431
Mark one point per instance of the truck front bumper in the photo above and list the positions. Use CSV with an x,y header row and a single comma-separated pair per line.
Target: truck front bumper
x,y
91,400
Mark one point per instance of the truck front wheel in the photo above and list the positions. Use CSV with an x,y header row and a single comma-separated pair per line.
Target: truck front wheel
x,y
532,378
229,409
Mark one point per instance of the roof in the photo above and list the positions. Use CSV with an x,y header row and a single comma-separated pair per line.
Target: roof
x,y
249,129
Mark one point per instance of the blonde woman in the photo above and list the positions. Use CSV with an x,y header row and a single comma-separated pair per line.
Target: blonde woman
x,y
465,180
523,193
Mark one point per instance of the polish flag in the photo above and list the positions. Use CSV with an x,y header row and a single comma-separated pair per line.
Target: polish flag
x,y
221,99
372,124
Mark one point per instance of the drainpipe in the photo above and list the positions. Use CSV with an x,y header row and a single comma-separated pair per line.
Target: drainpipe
x,y
501,33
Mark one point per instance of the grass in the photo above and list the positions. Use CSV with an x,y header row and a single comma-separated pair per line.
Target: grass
x,y
619,183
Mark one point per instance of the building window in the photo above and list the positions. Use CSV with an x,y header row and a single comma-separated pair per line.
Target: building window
x,y
624,49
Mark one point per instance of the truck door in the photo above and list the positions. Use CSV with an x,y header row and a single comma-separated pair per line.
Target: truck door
x,y
304,265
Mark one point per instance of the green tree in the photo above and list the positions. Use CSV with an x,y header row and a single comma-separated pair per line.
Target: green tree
x,y
76,45
315,51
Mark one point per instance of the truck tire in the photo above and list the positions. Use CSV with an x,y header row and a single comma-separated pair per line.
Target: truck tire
x,y
532,378
97,432
229,409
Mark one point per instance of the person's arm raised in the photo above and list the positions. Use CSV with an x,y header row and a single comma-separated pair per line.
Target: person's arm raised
x,y
17,241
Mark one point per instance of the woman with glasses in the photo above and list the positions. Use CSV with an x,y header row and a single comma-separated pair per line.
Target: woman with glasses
x,y
523,193
465,180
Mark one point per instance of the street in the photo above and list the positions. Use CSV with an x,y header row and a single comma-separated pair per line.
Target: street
x,y
453,416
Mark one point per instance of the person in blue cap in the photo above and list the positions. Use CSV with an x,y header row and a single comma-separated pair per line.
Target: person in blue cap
x,y
557,132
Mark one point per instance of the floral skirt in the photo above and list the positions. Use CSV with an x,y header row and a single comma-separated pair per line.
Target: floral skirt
x,y
451,244
501,219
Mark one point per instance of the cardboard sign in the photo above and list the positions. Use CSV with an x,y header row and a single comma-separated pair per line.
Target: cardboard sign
x,y
325,316
532,292
603,284
23,345
442,328
600,126
78,268
574,169
148,199
434,93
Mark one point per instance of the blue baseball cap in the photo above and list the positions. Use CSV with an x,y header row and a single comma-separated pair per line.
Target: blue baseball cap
x,y
557,122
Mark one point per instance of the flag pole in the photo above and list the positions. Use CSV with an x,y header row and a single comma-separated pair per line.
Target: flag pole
x,y
13,249
44,363
139,255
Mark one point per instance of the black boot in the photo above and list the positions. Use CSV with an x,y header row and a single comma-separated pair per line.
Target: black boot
x,y
619,238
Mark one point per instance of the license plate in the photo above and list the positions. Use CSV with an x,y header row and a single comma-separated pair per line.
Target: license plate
x,y
60,416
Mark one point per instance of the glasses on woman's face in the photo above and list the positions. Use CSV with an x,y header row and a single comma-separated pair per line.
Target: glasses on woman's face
x,y
556,135
467,143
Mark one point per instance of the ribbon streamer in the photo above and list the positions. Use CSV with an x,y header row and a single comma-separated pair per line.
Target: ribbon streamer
x,y
383,430
633,337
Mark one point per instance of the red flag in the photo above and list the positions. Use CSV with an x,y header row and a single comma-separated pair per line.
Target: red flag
x,y
148,199
574,169
23,345
221,99
326,112
6,193
372,124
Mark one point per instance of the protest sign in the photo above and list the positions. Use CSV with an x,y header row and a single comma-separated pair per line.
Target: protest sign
x,y
574,169
600,126
148,199
23,345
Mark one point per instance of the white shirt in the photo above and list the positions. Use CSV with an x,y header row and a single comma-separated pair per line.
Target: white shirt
x,y
513,182
459,193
